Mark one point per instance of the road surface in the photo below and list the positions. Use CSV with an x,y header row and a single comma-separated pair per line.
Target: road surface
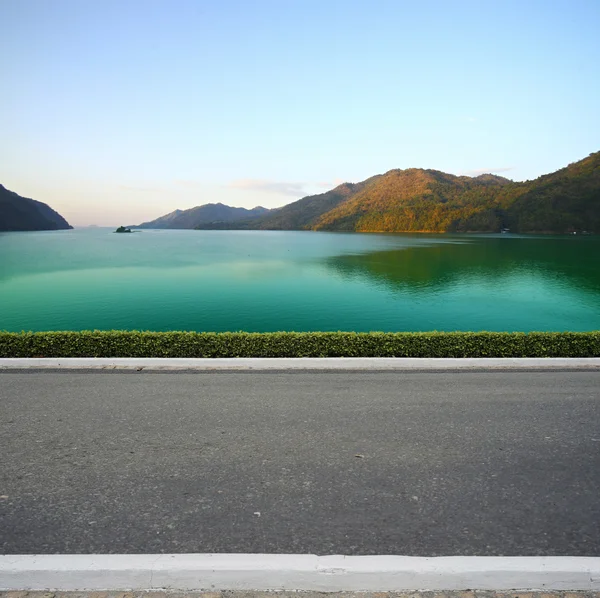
x,y
411,463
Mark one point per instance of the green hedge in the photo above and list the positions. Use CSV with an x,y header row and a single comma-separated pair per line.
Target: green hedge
x,y
299,344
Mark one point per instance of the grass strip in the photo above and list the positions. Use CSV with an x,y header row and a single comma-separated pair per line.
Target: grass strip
x,y
116,343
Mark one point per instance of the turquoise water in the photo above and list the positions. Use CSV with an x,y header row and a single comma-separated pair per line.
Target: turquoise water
x,y
265,281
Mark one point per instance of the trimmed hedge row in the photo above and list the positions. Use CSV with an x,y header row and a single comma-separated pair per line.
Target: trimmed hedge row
x,y
299,344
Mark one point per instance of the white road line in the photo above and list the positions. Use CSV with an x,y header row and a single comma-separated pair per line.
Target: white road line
x,y
263,572
305,363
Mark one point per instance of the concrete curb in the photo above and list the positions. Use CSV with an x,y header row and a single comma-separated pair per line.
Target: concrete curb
x,y
263,572
330,363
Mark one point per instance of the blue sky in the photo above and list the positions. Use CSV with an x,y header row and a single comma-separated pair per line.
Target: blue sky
x,y
118,111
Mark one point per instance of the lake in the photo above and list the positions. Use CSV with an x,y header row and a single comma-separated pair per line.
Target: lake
x,y
267,281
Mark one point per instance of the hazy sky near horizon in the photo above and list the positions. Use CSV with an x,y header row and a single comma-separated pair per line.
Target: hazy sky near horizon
x,y
119,111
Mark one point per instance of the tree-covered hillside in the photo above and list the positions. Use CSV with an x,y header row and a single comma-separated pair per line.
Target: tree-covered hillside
x,y
412,200
417,200
431,201
213,215
564,201
22,214
301,214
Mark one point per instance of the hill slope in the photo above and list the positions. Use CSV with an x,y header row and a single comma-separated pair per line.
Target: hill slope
x,y
211,213
418,200
22,214
304,213
563,201
432,201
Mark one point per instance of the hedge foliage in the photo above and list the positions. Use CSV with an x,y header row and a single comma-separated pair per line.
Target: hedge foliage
x,y
299,344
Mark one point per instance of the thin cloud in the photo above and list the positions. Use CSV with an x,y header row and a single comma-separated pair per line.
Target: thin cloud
x,y
141,189
279,187
479,171
291,188
188,184
330,184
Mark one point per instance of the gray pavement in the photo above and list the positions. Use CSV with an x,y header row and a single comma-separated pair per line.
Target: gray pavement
x,y
278,594
248,594
413,463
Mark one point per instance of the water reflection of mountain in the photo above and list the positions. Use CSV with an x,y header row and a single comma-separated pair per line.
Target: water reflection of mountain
x,y
436,267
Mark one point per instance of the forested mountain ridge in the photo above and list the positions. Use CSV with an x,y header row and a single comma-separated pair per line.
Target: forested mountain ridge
x,y
430,201
411,200
567,200
19,213
418,200
215,214
302,214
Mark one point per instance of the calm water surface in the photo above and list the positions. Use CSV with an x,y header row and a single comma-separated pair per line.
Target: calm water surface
x,y
266,281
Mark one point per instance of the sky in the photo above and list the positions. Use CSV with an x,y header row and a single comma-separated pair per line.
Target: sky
x,y
119,111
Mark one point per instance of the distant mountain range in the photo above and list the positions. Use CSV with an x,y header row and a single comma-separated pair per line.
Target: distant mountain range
x,y
215,215
417,200
412,200
21,214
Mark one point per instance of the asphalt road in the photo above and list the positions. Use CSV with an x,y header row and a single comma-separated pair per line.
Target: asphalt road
x,y
414,463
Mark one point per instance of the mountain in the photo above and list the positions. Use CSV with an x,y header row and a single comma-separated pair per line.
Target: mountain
x,y
567,200
418,200
301,214
21,214
216,214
